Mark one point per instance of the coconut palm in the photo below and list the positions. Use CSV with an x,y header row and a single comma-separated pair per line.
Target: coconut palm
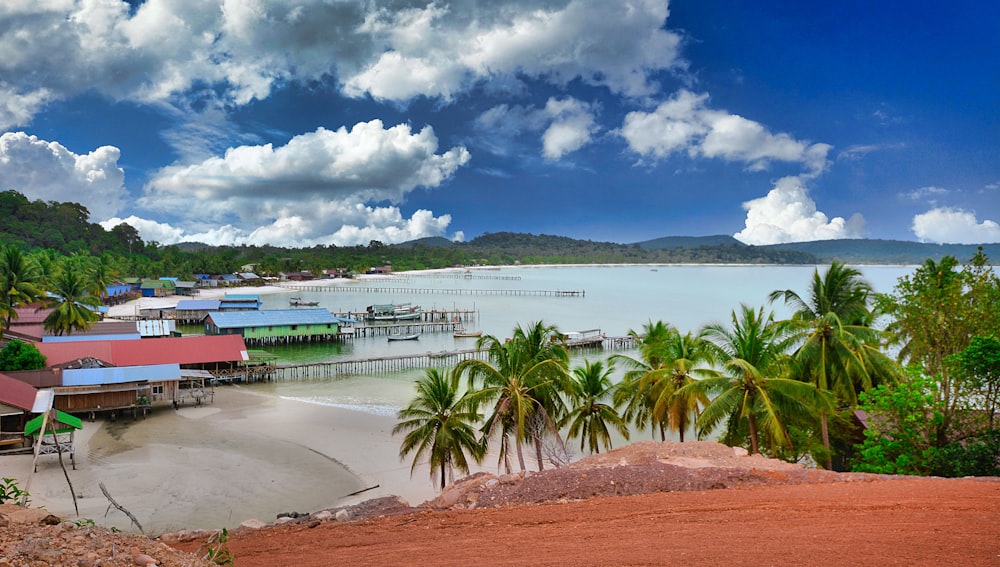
x,y
752,391
522,379
439,426
590,415
838,349
670,361
19,283
75,309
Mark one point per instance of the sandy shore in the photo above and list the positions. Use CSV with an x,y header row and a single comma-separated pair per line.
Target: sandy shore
x,y
246,455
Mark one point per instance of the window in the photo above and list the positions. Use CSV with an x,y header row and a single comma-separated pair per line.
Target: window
x,y
158,389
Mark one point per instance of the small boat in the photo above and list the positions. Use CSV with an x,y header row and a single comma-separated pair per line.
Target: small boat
x,y
401,337
460,333
297,302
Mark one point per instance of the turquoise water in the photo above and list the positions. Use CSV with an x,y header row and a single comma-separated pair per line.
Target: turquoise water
x,y
618,298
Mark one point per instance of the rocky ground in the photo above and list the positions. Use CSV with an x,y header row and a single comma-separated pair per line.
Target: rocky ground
x,y
646,504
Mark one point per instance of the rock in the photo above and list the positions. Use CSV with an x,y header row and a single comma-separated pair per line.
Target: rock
x,y
20,515
284,520
253,524
290,515
143,559
322,515
343,516
740,452
491,483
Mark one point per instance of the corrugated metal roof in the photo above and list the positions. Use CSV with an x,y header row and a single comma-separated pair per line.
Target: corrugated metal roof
x,y
15,393
78,337
120,375
271,317
179,350
198,305
244,305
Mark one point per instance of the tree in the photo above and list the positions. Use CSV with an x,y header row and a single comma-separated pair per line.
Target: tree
x,y
19,283
439,426
75,309
19,355
590,416
634,392
979,365
838,349
752,391
522,379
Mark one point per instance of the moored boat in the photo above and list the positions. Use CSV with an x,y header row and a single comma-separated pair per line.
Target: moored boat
x,y
393,312
297,302
401,337
460,333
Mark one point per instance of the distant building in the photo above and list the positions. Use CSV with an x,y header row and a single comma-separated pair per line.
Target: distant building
x,y
276,326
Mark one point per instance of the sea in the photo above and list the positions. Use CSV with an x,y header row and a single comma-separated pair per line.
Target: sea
x,y
613,298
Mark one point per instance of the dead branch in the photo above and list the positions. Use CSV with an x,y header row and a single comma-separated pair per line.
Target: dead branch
x,y
120,507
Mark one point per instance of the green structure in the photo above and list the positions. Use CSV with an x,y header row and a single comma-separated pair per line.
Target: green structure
x,y
276,326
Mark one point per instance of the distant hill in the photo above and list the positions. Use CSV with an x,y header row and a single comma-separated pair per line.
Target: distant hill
x,y
667,242
864,251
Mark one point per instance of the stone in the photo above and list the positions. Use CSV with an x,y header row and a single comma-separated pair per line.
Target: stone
x,y
253,524
143,559
322,515
343,516
740,452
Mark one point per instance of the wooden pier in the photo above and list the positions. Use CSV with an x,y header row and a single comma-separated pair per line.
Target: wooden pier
x,y
435,290
442,359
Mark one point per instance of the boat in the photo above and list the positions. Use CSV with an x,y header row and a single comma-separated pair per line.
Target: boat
x,y
460,333
401,337
297,302
394,312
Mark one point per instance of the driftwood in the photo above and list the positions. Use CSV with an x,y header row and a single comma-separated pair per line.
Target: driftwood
x,y
55,436
120,507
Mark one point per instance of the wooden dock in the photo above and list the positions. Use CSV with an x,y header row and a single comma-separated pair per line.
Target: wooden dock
x,y
436,290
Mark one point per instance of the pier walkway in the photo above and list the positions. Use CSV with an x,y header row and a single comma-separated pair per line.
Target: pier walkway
x,y
436,290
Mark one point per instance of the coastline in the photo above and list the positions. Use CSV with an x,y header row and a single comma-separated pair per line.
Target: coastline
x,y
245,456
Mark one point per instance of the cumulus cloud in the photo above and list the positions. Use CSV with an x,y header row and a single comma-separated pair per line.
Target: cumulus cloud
x,y
788,214
571,128
929,193
954,226
164,49
565,125
49,171
684,123
315,189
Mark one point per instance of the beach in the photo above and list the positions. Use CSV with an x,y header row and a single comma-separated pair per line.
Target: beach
x,y
243,456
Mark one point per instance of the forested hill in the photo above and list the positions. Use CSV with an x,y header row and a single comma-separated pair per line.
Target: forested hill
x,y
39,227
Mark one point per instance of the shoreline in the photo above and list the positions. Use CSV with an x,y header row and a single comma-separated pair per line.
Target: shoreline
x,y
246,456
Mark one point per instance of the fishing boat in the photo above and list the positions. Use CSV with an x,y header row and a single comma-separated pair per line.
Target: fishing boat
x,y
402,337
393,312
462,333
297,302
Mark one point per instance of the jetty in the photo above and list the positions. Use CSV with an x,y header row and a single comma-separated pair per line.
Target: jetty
x,y
436,290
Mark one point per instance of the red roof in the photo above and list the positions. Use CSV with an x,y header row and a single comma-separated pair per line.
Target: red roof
x,y
172,350
15,393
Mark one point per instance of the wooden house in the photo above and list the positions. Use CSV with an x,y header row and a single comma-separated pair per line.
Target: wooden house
x,y
157,288
276,326
16,399
187,289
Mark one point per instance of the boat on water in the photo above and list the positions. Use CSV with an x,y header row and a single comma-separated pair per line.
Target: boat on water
x,y
460,333
394,312
402,337
297,302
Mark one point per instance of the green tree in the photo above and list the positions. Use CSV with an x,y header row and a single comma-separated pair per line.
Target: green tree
x,y
838,350
753,390
902,419
74,309
440,427
19,283
522,380
19,355
591,417
979,365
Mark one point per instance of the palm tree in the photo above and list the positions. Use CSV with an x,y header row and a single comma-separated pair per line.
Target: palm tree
x,y
439,426
670,361
838,351
19,277
752,391
73,304
590,415
522,378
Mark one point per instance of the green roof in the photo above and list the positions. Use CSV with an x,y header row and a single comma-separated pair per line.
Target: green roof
x,y
67,421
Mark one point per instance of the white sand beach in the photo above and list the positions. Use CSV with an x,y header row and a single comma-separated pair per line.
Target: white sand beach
x,y
245,455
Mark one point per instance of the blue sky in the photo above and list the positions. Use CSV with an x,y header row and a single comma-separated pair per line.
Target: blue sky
x,y
307,122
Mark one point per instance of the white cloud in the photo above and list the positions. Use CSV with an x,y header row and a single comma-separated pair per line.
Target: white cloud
x,y
166,49
685,124
316,189
954,226
788,214
930,193
49,171
571,128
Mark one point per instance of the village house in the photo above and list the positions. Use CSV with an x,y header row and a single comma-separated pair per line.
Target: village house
x,y
276,326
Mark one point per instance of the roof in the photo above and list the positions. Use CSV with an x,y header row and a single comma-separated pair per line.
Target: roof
x,y
241,297
245,305
179,350
198,305
16,393
249,276
70,422
272,317
190,285
157,284
120,375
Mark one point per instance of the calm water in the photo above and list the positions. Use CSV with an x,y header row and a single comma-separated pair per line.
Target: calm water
x,y
618,298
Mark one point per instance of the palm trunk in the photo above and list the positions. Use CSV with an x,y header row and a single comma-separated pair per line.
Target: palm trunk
x,y
825,431
538,453
520,453
752,419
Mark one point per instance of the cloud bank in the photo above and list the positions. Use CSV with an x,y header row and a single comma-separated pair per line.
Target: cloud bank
x,y
947,225
788,214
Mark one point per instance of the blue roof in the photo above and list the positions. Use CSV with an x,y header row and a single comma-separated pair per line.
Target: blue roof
x,y
272,317
119,375
198,305
239,305
241,297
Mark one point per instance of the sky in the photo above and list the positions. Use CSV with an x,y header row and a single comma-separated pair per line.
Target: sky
x,y
338,122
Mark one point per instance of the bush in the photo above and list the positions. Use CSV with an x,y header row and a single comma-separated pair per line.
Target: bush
x,y
19,355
